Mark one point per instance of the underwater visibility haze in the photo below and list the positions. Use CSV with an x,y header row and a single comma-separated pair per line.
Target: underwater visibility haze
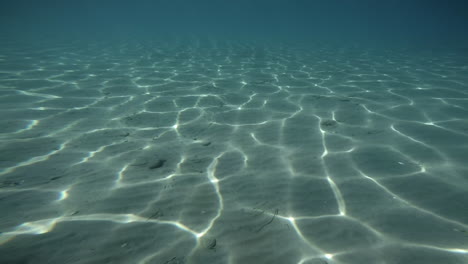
x,y
215,131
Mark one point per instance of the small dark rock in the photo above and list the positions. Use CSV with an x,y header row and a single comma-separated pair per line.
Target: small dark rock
x,y
157,164
206,144
328,123
156,215
212,244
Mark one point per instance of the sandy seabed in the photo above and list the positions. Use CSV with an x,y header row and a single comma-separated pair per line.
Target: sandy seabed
x,y
222,152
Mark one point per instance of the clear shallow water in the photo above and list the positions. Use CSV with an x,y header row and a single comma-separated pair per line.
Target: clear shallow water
x,y
232,152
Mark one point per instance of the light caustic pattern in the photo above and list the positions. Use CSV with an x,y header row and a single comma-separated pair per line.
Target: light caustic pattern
x,y
223,152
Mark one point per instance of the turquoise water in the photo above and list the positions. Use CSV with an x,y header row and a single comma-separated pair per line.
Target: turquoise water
x,y
223,147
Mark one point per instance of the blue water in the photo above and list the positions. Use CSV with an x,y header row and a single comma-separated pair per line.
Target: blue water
x,y
172,132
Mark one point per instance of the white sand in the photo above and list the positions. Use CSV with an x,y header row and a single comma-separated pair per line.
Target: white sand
x,y
232,153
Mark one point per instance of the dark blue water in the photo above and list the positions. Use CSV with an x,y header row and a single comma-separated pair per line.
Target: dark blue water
x,y
390,22
238,132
